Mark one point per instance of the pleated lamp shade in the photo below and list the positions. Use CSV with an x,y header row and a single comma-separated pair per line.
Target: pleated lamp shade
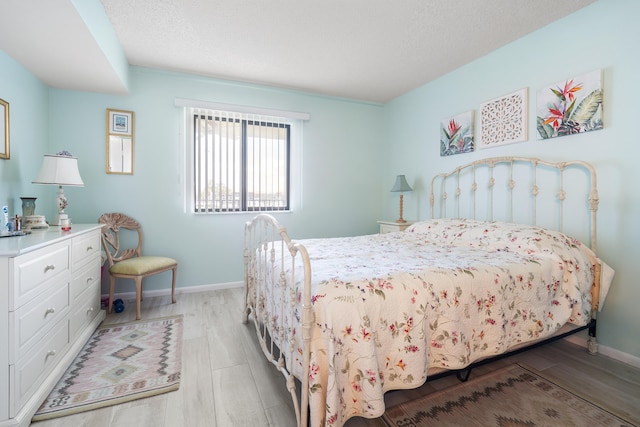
x,y
59,170
401,184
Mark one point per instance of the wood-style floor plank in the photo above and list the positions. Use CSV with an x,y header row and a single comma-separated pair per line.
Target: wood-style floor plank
x,y
227,382
194,406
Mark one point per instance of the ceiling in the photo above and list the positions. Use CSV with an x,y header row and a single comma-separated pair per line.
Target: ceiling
x,y
369,50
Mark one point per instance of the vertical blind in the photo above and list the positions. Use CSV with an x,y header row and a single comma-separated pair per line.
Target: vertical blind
x,y
241,161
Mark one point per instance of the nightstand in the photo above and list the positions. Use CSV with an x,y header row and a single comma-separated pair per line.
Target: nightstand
x,y
391,226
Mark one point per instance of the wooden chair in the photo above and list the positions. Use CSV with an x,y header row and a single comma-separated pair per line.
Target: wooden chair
x,y
128,263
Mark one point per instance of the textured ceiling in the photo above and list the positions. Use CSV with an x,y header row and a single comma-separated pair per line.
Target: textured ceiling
x,y
370,50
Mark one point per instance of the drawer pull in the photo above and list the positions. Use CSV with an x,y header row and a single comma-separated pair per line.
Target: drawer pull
x,y
49,311
89,279
89,248
49,267
50,353
90,310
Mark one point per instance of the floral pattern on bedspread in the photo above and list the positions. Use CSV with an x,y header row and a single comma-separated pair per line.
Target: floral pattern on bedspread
x,y
444,293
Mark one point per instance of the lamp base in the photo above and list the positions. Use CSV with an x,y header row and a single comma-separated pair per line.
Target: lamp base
x,y
400,220
57,220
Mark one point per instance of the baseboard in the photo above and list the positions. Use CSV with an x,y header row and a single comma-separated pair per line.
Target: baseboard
x,y
179,290
581,340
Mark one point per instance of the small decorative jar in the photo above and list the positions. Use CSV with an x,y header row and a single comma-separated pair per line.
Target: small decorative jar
x,y
28,206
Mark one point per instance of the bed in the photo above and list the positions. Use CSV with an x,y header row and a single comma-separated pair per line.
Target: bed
x,y
493,271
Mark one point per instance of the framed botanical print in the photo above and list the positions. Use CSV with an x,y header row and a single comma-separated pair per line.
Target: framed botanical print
x,y
570,106
456,134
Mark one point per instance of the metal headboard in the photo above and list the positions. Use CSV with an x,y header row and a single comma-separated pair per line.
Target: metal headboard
x,y
471,172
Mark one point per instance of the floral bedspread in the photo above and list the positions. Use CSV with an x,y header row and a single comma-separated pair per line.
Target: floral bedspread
x,y
444,293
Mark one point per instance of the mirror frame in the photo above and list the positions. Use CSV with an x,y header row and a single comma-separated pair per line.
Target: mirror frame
x,y
120,130
4,129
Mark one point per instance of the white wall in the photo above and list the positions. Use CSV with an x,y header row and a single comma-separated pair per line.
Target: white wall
x,y
601,36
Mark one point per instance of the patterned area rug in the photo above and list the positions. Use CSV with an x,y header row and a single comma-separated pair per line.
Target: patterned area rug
x,y
119,363
514,396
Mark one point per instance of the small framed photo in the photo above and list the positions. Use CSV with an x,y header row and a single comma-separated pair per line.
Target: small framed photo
x,y
120,122
4,129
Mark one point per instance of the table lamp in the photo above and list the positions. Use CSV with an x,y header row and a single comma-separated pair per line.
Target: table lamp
x,y
401,186
60,169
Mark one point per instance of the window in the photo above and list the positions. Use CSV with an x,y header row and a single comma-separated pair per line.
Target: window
x,y
241,162
241,159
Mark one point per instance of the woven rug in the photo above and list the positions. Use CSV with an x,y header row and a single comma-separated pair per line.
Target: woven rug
x,y
514,396
119,363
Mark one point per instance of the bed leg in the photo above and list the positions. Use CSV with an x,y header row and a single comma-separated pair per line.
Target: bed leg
x,y
463,375
592,344
245,309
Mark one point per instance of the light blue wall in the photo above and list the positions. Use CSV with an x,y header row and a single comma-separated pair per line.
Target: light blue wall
x,y
342,148
603,36
29,118
352,151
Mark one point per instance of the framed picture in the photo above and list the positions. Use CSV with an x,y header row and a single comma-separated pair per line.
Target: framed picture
x,y
120,122
503,120
456,134
4,129
571,106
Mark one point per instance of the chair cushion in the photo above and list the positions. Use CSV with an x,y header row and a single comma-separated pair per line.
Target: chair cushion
x,y
142,265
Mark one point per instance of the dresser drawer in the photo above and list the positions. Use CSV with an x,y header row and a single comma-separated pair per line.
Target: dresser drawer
x,y
39,363
83,278
32,320
34,270
385,228
84,247
85,309
391,227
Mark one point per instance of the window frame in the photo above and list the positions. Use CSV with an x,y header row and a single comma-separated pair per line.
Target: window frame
x,y
244,121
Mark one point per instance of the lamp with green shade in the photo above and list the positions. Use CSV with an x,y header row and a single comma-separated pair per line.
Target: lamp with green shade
x,y
401,185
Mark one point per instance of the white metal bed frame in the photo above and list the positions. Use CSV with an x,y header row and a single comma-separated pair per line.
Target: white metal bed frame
x,y
266,243
511,162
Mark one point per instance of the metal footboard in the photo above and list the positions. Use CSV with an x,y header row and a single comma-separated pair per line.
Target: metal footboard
x,y
275,297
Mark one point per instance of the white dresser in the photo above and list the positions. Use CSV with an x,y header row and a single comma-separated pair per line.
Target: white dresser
x,y
50,306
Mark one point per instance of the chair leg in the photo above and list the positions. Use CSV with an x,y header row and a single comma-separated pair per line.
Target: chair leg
x,y
173,285
138,281
112,288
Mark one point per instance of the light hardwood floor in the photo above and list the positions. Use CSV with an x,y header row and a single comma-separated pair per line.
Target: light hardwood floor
x,y
226,381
